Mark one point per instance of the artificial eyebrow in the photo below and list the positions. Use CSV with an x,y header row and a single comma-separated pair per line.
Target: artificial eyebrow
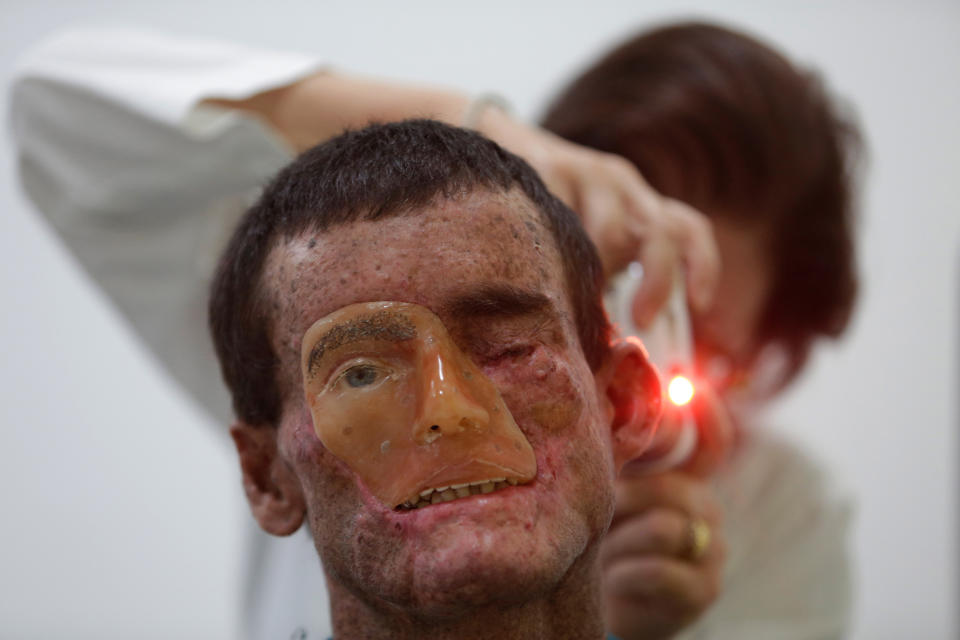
x,y
497,301
382,325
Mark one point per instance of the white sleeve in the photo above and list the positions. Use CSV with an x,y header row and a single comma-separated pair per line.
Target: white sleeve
x,y
788,573
141,186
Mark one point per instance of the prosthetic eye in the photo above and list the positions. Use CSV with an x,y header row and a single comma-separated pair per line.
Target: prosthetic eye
x,y
362,375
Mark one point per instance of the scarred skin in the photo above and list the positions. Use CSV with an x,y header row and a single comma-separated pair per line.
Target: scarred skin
x,y
519,562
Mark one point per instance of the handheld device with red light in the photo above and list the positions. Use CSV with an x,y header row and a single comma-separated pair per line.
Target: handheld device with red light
x,y
669,344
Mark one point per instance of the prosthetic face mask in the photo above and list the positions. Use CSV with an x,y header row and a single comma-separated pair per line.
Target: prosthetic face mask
x,y
396,400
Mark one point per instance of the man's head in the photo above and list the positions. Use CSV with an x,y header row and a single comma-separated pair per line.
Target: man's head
x,y
725,123
413,256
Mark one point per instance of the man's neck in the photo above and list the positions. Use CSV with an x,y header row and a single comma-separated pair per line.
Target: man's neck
x,y
570,611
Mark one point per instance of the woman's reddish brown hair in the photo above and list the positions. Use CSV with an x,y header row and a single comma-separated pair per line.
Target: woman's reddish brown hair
x,y
723,122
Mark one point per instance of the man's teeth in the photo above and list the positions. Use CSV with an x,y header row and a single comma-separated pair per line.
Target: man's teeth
x,y
452,492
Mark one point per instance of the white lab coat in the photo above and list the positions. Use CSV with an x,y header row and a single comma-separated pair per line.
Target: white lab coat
x,y
144,188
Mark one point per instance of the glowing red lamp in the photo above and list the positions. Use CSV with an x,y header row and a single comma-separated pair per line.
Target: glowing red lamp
x,y
680,390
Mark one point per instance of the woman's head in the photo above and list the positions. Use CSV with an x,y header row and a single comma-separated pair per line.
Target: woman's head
x,y
723,122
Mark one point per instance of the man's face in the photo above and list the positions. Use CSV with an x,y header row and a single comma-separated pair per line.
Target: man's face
x,y
489,281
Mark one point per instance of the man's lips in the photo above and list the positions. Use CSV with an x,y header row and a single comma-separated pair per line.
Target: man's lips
x,y
436,495
510,506
434,479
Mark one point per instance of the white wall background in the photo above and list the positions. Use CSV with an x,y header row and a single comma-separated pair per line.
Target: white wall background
x,y
121,510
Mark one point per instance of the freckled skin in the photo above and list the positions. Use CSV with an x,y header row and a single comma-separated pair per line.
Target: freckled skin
x,y
492,551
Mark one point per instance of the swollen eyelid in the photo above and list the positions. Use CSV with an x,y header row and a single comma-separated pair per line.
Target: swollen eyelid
x,y
518,352
512,353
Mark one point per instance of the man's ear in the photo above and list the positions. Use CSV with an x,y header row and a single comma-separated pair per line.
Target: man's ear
x,y
272,489
632,388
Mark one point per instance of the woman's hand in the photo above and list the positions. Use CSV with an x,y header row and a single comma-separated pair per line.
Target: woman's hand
x,y
626,219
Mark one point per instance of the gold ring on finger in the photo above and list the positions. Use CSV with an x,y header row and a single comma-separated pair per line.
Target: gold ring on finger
x,y
698,539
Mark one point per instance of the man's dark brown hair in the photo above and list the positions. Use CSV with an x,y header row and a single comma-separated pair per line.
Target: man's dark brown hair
x,y
378,172
725,123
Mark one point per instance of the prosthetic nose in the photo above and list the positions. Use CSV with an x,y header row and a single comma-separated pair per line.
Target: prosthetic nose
x,y
448,404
